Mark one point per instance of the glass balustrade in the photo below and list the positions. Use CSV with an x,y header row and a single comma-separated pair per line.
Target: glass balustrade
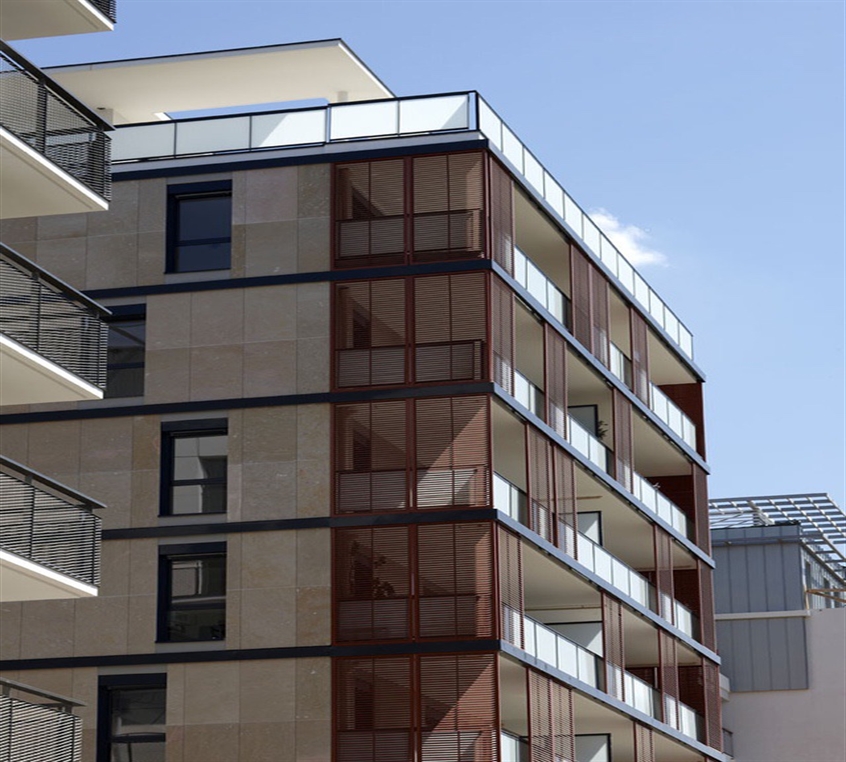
x,y
510,500
641,695
671,414
613,571
660,505
528,395
620,365
512,748
530,277
588,445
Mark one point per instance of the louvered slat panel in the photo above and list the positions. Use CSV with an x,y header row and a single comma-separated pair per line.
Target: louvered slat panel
x,y
541,488
623,443
612,636
502,334
640,355
510,560
556,381
644,744
700,500
501,217
664,573
565,501
371,584
455,580
707,623
563,723
581,298
36,733
713,705
600,315
452,452
669,676
540,718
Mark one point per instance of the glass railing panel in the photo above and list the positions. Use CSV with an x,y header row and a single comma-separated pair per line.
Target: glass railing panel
x,y
587,444
685,619
509,499
144,141
554,194
591,235
671,414
448,112
620,365
207,136
640,695
512,748
512,148
659,505
289,129
573,215
533,171
562,653
527,394
363,120
489,123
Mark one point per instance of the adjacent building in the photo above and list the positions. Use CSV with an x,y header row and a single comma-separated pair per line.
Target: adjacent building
x,y
403,460
781,625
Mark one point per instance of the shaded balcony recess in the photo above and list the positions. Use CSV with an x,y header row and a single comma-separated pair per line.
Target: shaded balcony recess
x,y
442,114
48,524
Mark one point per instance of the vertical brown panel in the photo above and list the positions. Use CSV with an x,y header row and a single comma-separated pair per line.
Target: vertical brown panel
x,y
372,710
455,580
612,636
644,744
448,194
600,316
669,677
371,584
623,440
713,705
707,622
450,327
510,560
664,573
501,217
580,269
563,723
370,457
502,318
556,381
541,487
452,452
700,500
640,355
540,718
565,501
459,717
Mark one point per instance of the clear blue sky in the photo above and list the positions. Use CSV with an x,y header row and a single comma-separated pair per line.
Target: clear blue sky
x,y
715,127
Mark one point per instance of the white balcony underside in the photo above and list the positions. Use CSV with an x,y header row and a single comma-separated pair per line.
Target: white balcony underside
x,y
25,580
31,185
27,377
24,19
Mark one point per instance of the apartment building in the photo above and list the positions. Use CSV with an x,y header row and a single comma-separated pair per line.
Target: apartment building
x,y
54,161
403,460
780,596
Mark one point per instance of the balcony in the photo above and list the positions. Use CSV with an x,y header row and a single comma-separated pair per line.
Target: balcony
x,y
49,538
53,149
37,731
23,19
52,338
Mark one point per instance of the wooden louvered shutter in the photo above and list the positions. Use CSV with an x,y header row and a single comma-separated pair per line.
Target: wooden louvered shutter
x,y
581,298
501,217
612,636
600,316
510,560
450,327
369,213
551,723
448,203
700,502
373,721
541,486
644,744
565,501
713,704
455,580
502,314
452,452
640,355
669,677
459,717
370,457
664,587
370,333
707,624
563,723
371,584
623,442
556,381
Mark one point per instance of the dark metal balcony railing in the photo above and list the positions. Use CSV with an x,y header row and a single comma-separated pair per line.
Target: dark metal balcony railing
x,y
37,731
106,7
47,523
51,318
42,114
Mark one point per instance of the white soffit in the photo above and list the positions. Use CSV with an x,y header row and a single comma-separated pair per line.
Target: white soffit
x,y
139,90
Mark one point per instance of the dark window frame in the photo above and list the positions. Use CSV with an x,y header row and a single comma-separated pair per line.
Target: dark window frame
x,y
171,432
136,313
108,687
187,192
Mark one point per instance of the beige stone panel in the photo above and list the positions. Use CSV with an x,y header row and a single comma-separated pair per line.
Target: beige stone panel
x,y
269,560
313,310
238,252
271,194
175,696
168,321
233,619
271,248
270,368
313,432
313,244
146,442
234,483
11,615
101,626
314,488
211,743
114,568
144,508
175,742
312,366
167,375
313,191
47,629
143,566
268,491
106,444
141,637
216,372
151,258
51,680
211,693
122,216
314,548
65,258
85,690
13,231
62,226
54,448
14,442
267,742
112,261
267,690
217,317
152,205
268,618
28,249
233,561
268,313
314,688
270,434
114,490
235,442
89,743
239,197
314,740
314,616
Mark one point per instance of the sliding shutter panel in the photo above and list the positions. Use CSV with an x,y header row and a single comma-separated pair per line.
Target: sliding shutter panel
x,y
612,636
623,440
640,355
700,508
669,676
600,316
551,722
565,501
541,488
581,298
556,381
502,217
664,573
713,704
510,559
644,744
707,624
502,327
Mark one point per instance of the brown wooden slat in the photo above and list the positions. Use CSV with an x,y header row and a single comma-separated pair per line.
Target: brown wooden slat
x,y
707,623
501,217
600,316
565,502
612,635
581,297
502,328
623,439
713,705
700,500
640,355
541,487
644,743
510,560
669,676
664,573
556,381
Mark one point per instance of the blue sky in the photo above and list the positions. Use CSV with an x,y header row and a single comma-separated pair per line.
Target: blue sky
x,y
711,132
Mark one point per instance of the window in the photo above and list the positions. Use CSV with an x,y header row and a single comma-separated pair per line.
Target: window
x,y
125,359
192,592
132,718
194,465
199,227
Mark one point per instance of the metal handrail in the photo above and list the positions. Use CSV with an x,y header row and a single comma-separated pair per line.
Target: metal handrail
x,y
6,686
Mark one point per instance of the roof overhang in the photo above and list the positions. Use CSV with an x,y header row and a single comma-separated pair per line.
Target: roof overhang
x,y
143,89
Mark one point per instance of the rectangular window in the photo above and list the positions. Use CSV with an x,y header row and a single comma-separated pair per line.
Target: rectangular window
x,y
125,359
199,226
194,467
132,718
192,592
